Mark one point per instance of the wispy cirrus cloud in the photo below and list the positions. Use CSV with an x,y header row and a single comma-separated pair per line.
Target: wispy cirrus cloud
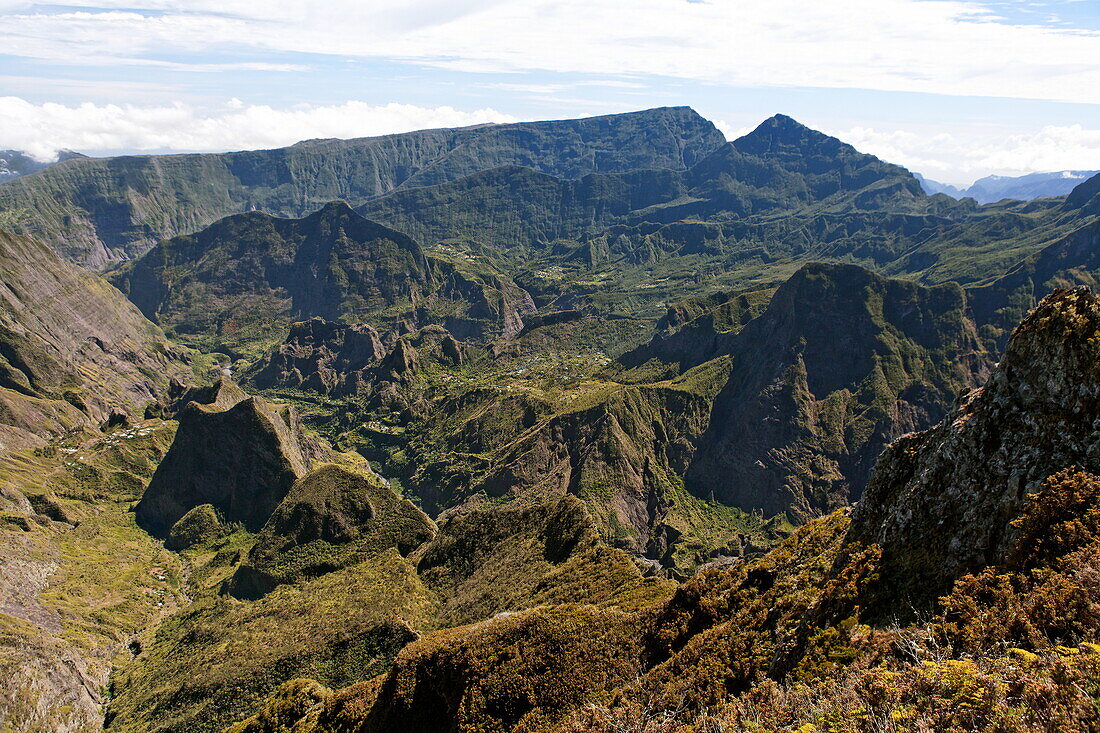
x,y
934,46
501,59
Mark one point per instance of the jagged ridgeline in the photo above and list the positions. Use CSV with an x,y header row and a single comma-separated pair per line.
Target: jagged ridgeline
x,y
239,284
97,210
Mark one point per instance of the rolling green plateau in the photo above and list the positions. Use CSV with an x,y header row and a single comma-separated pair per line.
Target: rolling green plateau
x,y
586,425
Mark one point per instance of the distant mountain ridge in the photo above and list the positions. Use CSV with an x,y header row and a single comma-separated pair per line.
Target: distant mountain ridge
x,y
505,242
15,163
1029,187
101,209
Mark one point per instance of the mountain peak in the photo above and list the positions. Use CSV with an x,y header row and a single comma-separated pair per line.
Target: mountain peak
x,y
829,165
336,209
780,131
337,206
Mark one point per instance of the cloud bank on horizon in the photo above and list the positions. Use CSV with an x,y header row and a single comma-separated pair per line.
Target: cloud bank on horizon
x,y
68,66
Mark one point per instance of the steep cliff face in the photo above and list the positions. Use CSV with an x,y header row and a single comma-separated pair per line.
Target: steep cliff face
x,y
242,460
98,210
71,347
940,503
840,363
520,211
1085,197
401,380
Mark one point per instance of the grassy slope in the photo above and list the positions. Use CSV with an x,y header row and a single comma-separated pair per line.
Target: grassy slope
x,y
79,588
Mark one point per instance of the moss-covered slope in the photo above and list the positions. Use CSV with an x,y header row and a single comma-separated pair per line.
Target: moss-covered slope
x,y
331,518
242,460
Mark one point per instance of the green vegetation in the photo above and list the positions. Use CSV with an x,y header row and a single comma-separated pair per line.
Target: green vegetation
x,y
513,557
93,210
80,578
586,361
331,518
213,662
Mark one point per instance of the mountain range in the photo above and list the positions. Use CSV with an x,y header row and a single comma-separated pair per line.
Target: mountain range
x,y
573,425
992,189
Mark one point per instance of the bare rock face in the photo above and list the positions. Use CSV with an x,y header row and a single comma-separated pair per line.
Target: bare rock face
x,y
940,503
220,394
72,348
241,460
475,307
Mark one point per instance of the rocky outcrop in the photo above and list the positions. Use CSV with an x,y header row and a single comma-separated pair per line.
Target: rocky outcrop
x,y
474,306
331,518
72,349
941,503
242,460
839,364
322,356
221,394
339,360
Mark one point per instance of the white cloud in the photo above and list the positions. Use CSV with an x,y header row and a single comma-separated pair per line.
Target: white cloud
x,y
732,132
961,157
936,46
43,129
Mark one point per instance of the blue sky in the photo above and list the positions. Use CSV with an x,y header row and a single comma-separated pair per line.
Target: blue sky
x,y
951,88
